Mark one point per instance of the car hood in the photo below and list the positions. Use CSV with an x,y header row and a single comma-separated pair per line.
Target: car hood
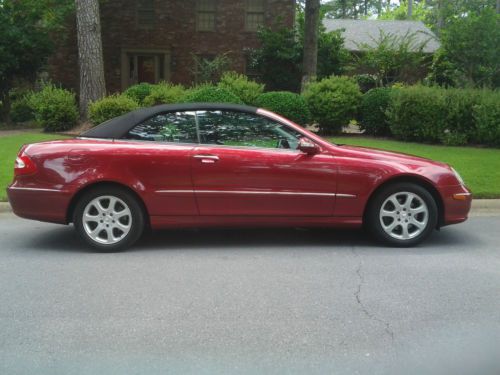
x,y
389,156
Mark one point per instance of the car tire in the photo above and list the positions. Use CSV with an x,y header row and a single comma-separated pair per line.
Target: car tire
x,y
402,214
109,218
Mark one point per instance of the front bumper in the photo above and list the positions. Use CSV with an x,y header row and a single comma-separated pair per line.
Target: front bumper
x,y
457,203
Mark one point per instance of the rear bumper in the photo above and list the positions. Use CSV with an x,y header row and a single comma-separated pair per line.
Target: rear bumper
x,y
457,203
39,203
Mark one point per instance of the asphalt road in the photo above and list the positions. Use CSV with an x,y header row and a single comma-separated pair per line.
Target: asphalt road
x,y
250,302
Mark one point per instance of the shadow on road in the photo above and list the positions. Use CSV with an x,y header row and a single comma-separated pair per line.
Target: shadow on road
x,y
449,239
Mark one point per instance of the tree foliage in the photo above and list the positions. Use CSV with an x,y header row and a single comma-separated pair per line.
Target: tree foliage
x,y
25,27
279,59
471,45
392,58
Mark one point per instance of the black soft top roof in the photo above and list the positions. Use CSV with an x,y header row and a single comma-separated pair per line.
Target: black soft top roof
x,y
120,126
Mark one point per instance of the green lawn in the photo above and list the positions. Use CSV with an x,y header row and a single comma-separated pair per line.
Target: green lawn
x,y
479,167
9,146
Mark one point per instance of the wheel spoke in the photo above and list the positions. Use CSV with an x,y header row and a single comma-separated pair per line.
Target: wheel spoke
x,y
418,210
120,214
112,203
385,213
418,224
395,202
391,226
90,218
122,226
404,233
99,206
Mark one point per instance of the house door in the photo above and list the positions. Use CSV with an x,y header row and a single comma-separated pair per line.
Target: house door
x,y
150,66
147,68
143,68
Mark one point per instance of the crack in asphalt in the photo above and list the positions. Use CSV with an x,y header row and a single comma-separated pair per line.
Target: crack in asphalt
x,y
364,309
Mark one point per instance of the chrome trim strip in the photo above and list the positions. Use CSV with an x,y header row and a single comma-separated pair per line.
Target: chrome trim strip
x,y
257,193
36,189
175,191
347,196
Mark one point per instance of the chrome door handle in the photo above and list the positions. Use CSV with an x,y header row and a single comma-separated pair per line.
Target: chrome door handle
x,y
207,159
212,157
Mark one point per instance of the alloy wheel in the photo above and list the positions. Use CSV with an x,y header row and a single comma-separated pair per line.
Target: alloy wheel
x,y
107,219
404,215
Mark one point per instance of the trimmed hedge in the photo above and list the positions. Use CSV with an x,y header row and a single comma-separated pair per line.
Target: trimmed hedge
x,y
239,84
165,93
139,92
438,115
333,102
374,104
487,117
287,104
211,94
418,113
54,108
110,107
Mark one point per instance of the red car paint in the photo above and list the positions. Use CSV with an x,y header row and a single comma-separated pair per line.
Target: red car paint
x,y
210,185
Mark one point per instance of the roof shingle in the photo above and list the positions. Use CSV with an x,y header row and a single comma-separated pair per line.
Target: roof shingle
x,y
359,32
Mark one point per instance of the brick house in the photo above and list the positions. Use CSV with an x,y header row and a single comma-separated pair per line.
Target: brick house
x,y
155,40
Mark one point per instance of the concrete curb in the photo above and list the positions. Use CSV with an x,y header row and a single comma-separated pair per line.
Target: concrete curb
x,y
5,207
480,207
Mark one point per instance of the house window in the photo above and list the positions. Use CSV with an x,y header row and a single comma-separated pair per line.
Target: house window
x,y
254,16
145,14
205,15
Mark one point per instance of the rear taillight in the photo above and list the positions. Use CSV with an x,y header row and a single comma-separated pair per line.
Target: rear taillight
x,y
24,165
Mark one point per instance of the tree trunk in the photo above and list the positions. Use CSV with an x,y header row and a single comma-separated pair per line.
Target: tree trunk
x,y
410,9
90,58
310,64
440,18
5,106
498,6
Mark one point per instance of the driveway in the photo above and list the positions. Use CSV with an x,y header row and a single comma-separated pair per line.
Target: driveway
x,y
250,302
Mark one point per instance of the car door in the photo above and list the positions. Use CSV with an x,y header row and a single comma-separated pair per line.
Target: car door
x,y
249,165
158,157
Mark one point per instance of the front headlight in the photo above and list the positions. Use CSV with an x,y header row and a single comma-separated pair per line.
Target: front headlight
x,y
457,175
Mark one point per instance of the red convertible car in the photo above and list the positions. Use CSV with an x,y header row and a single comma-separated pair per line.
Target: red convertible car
x,y
195,165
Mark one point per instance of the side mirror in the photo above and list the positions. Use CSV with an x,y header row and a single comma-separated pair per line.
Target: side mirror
x,y
307,147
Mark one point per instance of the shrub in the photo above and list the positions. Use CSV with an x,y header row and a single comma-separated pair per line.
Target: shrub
x,y
366,82
110,107
333,102
287,104
20,110
54,108
460,125
372,111
139,92
241,86
210,70
418,113
487,117
165,93
211,94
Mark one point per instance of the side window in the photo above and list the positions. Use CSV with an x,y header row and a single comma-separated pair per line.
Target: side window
x,y
244,129
179,127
